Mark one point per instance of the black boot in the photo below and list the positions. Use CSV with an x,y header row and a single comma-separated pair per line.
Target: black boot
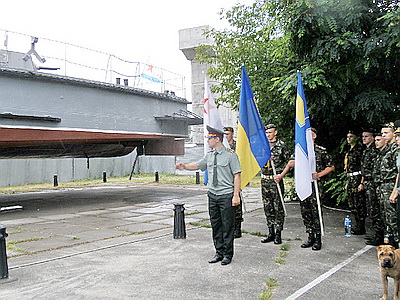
x,y
271,236
376,240
310,241
393,242
278,238
359,229
238,230
318,243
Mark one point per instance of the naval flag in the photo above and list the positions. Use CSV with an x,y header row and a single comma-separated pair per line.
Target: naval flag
x,y
304,146
211,118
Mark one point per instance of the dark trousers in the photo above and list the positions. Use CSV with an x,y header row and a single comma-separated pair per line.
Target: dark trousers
x,y
222,215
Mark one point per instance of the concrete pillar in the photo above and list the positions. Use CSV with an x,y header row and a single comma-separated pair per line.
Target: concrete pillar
x,y
189,40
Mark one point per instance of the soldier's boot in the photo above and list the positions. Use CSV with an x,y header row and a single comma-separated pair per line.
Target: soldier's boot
x,y
310,242
359,229
238,230
271,236
278,238
393,242
376,240
318,242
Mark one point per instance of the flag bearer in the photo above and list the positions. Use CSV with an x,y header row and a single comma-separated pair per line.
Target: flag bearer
x,y
309,206
273,206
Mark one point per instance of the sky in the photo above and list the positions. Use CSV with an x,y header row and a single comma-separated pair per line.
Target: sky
x,y
145,31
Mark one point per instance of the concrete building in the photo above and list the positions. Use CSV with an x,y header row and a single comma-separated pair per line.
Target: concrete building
x,y
189,40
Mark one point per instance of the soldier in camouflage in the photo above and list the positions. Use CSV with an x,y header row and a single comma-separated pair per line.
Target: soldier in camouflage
x,y
355,198
367,184
239,208
309,206
273,206
386,179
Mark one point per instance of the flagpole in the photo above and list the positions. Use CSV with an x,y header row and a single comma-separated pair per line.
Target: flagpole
x,y
279,188
319,207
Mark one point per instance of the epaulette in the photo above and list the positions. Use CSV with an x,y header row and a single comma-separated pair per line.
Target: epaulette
x,y
230,150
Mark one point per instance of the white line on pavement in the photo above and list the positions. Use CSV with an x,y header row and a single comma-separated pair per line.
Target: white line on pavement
x,y
324,276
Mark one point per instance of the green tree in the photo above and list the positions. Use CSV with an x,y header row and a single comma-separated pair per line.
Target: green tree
x,y
347,52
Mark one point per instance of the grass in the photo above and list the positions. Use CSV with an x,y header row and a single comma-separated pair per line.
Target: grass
x,y
23,241
141,178
14,248
270,285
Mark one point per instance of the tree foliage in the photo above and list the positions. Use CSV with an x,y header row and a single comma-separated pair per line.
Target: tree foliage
x,y
347,52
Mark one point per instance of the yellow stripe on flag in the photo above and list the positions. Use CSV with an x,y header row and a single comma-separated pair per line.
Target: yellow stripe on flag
x,y
301,119
248,162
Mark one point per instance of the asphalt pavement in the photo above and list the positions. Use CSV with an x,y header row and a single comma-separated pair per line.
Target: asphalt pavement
x,y
117,243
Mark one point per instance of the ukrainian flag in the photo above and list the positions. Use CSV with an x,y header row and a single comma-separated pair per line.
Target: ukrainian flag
x,y
304,146
252,145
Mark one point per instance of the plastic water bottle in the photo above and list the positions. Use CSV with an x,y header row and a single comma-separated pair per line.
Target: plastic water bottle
x,y
347,226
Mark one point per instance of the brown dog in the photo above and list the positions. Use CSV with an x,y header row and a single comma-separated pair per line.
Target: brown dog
x,y
389,265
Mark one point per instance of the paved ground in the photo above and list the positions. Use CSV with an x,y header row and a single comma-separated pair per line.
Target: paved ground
x,y
117,243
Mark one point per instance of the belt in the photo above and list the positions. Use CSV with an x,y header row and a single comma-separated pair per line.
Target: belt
x,y
354,174
271,177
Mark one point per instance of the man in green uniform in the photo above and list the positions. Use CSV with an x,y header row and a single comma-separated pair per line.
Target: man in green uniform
x,y
367,184
273,206
223,192
309,206
239,208
356,200
387,178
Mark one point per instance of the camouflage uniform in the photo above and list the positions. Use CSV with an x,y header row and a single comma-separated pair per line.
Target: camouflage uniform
x,y
385,172
309,206
355,198
273,207
373,207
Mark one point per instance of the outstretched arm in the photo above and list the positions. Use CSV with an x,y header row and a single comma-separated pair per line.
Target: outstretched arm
x,y
190,166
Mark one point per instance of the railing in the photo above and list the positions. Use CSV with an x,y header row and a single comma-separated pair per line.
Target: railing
x,y
71,60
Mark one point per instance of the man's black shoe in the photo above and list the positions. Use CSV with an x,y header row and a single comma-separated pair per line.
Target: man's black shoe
x,y
226,261
215,259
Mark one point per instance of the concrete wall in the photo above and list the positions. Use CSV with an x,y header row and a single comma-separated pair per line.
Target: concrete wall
x,y
26,171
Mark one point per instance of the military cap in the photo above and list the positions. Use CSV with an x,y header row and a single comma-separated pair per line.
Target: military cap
x,y
389,125
370,130
228,129
397,123
213,132
397,132
351,131
269,126
314,130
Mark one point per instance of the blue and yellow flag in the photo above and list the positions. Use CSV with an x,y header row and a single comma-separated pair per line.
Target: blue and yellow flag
x,y
304,146
252,145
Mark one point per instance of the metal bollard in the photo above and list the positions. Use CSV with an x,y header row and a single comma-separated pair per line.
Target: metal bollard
x,y
179,221
157,179
3,254
55,180
197,177
104,176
